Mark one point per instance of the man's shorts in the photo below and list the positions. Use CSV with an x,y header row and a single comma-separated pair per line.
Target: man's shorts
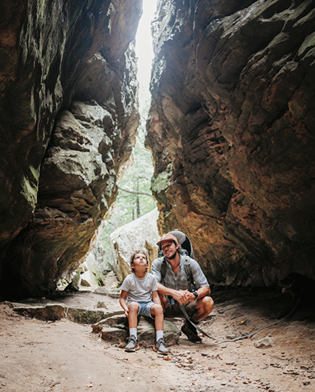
x,y
144,308
175,311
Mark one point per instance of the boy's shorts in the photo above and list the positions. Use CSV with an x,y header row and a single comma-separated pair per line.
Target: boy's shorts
x,y
144,308
175,311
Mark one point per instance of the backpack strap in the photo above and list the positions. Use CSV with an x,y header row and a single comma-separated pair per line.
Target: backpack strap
x,y
169,298
188,271
163,269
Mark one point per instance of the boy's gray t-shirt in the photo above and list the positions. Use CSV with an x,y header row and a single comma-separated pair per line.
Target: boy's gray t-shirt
x,y
139,290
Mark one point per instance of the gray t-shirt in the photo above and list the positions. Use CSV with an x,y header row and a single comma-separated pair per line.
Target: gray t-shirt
x,y
139,290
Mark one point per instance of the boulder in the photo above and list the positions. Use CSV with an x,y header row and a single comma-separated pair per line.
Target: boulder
x,y
141,233
92,275
83,316
115,329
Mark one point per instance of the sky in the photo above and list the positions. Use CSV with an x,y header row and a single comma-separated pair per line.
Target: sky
x,y
144,50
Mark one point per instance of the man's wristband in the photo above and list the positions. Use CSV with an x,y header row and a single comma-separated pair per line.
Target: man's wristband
x,y
195,294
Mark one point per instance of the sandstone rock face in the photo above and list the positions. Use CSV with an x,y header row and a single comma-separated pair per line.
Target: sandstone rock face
x,y
68,117
231,129
141,233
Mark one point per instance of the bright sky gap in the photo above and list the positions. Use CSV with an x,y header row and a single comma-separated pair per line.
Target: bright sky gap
x,y
144,51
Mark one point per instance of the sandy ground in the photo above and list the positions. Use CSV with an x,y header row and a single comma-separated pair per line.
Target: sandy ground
x,y
63,356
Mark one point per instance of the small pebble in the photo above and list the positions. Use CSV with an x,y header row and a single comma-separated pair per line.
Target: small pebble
x,y
264,343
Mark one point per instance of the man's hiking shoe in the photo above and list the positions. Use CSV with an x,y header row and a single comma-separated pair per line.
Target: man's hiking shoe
x,y
132,344
160,347
191,332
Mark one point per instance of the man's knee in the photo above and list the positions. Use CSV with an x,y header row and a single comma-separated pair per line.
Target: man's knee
x,y
206,303
210,304
163,301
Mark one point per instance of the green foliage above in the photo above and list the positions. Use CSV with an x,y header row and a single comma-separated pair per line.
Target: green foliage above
x,y
137,178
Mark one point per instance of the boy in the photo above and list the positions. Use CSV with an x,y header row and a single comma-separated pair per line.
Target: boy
x,y
143,300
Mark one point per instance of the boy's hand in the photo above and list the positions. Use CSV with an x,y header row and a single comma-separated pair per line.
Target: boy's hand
x,y
127,313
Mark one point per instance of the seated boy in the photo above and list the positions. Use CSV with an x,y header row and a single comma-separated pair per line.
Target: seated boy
x,y
141,290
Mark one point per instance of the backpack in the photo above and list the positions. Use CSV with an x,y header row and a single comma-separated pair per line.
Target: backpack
x,y
185,244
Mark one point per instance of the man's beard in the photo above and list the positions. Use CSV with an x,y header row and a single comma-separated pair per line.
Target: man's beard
x,y
173,256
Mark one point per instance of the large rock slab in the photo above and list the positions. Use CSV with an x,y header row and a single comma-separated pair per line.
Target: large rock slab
x,y
141,233
53,312
232,134
115,329
45,312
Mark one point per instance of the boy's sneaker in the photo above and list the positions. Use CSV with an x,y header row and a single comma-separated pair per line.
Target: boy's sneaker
x,y
191,332
132,344
160,347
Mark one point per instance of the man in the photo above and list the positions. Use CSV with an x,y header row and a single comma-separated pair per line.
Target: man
x,y
173,288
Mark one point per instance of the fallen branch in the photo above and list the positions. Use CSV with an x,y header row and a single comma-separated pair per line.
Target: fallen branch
x,y
134,192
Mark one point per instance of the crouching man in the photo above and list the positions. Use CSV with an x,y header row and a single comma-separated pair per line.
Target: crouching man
x,y
180,281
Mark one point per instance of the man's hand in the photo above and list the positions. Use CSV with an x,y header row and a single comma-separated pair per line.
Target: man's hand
x,y
127,313
190,296
183,296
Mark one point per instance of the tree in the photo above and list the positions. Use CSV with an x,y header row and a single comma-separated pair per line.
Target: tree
x,y
134,198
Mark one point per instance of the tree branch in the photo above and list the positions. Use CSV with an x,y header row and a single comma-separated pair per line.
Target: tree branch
x,y
135,192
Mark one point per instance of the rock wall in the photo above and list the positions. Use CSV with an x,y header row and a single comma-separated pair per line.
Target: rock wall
x,y
68,118
232,131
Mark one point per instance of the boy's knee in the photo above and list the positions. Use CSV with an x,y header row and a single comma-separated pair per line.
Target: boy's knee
x,y
157,309
133,306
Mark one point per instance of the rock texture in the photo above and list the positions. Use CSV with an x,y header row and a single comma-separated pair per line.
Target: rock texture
x,y
141,233
232,132
68,117
90,273
115,330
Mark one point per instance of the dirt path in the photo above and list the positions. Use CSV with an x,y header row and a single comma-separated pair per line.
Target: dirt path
x,y
64,356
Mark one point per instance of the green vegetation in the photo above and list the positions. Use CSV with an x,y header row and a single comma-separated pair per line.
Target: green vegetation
x,y
130,206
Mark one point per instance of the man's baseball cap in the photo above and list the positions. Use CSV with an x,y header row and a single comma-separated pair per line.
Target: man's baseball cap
x,y
167,237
